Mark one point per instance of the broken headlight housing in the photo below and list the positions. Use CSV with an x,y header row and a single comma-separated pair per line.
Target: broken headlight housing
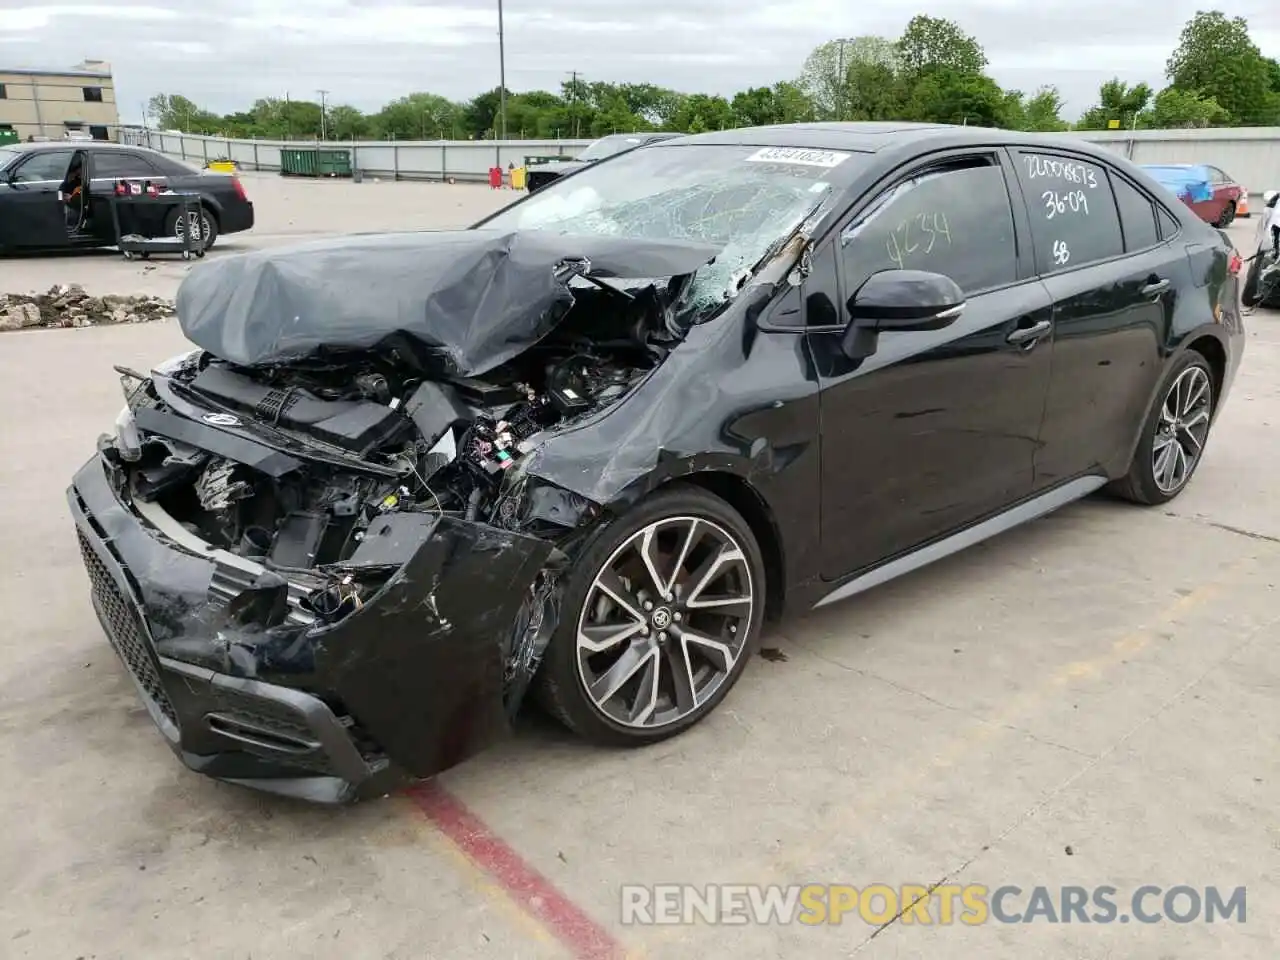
x,y
128,441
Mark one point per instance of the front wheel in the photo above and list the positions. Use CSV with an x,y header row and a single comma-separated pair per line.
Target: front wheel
x,y
1175,435
1228,216
659,619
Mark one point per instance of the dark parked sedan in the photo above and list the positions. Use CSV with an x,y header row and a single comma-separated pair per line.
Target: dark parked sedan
x,y
590,446
1262,284
42,209
541,174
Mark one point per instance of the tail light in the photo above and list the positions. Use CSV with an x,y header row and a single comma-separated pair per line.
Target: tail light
x,y
1234,264
239,188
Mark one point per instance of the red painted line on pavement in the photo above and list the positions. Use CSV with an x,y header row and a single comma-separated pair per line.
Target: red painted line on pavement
x,y
535,894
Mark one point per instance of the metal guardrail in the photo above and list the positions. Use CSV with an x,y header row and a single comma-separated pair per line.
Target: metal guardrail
x,y
1249,154
440,160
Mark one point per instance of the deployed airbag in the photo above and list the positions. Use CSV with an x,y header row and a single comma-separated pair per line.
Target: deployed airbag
x,y
449,302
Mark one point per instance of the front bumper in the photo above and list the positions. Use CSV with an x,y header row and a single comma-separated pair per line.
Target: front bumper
x,y
409,685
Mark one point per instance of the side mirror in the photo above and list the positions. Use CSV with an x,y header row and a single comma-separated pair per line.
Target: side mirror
x,y
899,300
1270,197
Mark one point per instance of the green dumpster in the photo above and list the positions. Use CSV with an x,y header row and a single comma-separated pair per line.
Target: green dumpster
x,y
314,162
8,136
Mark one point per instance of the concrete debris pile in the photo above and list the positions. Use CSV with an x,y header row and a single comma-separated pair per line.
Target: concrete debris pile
x,y
68,305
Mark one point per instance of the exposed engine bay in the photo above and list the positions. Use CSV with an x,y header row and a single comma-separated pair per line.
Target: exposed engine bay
x,y
345,443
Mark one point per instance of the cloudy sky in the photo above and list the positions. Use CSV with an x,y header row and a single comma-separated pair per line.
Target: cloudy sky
x,y
226,53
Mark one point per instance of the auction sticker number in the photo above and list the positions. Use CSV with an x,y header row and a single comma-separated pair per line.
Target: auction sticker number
x,y
1060,252
800,156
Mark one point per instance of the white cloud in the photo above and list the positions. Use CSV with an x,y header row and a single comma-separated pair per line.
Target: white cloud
x,y
226,53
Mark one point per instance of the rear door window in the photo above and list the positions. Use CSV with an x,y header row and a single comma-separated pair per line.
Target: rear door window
x,y
1073,212
116,165
954,219
1137,215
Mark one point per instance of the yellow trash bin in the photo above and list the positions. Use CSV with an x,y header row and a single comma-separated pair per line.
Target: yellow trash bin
x,y
517,178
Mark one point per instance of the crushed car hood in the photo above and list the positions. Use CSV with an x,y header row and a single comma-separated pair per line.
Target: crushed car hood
x,y
459,302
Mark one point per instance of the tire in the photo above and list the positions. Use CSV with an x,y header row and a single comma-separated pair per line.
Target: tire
x,y
711,637
1179,423
1227,216
209,224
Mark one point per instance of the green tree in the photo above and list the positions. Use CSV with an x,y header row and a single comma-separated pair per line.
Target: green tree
x,y
347,123
754,107
419,116
930,43
1273,74
791,104
700,112
480,115
1116,101
945,95
825,76
1216,58
172,111
873,91
1182,108
1042,112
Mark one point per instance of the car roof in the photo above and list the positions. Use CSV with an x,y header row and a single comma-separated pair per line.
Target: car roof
x,y
40,145
878,136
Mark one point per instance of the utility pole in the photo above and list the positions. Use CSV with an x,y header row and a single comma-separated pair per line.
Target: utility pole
x,y
573,102
502,89
324,132
840,81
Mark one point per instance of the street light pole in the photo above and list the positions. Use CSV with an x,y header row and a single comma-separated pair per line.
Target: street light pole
x,y
324,132
840,81
502,85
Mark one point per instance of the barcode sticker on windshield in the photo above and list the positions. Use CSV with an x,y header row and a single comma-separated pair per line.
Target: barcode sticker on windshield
x,y
800,156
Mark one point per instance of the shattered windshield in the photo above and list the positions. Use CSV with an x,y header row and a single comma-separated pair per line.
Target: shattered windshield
x,y
742,199
608,146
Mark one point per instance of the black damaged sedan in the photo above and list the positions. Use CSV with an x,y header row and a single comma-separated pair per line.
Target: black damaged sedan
x,y
587,448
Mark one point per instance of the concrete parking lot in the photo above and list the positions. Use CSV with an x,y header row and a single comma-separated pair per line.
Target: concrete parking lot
x,y
1089,700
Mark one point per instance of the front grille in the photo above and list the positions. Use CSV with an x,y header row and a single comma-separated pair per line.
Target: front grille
x,y
124,625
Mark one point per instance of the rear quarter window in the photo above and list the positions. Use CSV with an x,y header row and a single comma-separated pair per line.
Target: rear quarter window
x,y
1137,215
1074,220
170,167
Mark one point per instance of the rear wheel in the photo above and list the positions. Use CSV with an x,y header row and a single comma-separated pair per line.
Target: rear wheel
x,y
1175,435
176,226
1228,215
659,618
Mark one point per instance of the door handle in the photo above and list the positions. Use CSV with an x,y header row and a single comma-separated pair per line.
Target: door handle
x,y
1029,334
1154,287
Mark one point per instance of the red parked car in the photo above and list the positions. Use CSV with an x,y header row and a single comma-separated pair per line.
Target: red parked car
x,y
1208,191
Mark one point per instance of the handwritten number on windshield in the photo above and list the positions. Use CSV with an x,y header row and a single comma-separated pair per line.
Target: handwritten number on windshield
x,y
917,234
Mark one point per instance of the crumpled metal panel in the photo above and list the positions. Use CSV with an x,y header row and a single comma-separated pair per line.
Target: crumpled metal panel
x,y
458,301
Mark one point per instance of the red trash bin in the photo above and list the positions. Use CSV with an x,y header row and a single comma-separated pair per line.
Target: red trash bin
x,y
495,177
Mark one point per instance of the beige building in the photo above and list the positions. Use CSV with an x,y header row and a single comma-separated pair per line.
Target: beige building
x,y
52,104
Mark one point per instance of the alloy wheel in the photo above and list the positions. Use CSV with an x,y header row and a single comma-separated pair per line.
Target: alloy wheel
x,y
665,622
1182,429
180,226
